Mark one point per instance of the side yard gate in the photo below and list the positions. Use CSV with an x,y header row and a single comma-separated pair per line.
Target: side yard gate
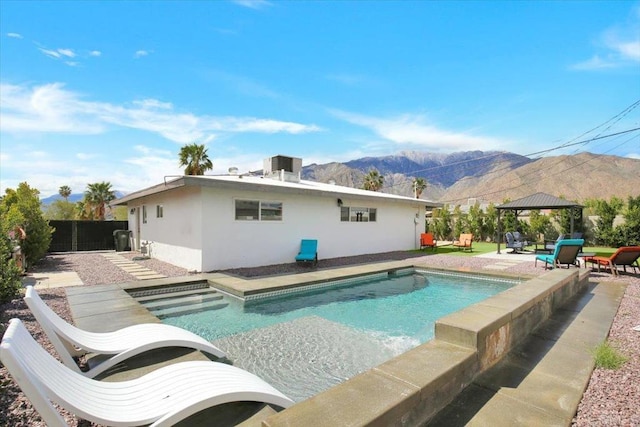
x,y
71,236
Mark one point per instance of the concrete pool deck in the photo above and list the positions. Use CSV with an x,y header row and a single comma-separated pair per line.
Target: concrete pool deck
x,y
540,380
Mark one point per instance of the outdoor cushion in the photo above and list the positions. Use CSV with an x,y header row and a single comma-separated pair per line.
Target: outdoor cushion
x,y
464,241
427,241
565,252
308,251
625,255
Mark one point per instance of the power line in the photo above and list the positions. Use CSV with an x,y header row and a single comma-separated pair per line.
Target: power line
x,y
610,122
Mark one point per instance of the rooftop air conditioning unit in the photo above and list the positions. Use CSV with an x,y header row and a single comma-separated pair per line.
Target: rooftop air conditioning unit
x,y
283,168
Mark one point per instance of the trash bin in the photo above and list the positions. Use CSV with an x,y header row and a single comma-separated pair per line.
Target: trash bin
x,y
121,239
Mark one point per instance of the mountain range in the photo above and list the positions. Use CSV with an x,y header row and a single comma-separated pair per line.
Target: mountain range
x,y
73,198
490,176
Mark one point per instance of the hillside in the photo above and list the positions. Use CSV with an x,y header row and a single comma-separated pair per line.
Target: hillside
x,y
73,198
491,176
577,177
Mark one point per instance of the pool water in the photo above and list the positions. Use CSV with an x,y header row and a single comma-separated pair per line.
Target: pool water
x,y
306,342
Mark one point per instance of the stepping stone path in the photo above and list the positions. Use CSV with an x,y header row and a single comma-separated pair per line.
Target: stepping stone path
x,y
138,271
503,264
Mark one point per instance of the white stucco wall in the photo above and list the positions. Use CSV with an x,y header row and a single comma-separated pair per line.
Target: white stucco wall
x,y
199,231
177,236
231,243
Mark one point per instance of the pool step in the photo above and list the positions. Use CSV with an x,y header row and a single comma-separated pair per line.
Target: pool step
x,y
171,295
188,309
187,300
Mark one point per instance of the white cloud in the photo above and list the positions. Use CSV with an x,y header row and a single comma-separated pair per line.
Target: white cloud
x,y
347,79
618,46
633,156
153,103
245,85
14,35
67,52
140,53
595,63
253,4
51,108
413,129
95,53
51,53
59,54
46,108
85,156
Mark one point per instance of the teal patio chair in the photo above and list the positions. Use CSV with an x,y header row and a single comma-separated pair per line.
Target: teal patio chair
x,y
308,251
565,252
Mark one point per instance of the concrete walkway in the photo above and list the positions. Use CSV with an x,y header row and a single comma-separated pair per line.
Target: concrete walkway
x,y
52,279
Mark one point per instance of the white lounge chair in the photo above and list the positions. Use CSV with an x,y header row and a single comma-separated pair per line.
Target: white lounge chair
x,y
160,398
70,341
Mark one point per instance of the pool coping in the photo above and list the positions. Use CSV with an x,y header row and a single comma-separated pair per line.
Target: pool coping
x,y
467,343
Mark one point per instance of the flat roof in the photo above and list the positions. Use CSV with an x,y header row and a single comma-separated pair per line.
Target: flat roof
x,y
260,183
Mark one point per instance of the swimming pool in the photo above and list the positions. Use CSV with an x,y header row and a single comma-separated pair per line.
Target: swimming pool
x,y
308,341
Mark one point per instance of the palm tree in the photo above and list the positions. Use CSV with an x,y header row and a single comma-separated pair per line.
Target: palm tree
x,y
97,196
373,180
195,158
82,211
65,191
419,184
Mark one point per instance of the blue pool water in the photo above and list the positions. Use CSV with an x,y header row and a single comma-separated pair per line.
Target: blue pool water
x,y
306,342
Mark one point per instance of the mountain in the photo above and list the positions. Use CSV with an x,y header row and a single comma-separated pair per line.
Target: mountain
x,y
73,198
576,177
490,176
441,169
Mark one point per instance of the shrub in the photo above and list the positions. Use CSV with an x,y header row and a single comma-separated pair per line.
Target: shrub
x,y
21,207
9,272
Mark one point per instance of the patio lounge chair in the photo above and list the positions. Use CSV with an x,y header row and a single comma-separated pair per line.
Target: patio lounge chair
x,y
464,242
427,241
308,251
70,341
160,398
565,252
550,245
512,243
624,256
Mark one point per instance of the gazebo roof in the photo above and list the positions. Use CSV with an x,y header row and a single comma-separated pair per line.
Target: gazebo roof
x,y
539,201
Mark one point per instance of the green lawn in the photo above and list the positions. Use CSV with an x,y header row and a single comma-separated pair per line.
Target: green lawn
x,y
483,248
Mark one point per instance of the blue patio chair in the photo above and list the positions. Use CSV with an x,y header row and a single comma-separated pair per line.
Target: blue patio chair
x,y
308,251
565,252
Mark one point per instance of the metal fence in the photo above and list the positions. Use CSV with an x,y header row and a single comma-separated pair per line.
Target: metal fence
x,y
71,236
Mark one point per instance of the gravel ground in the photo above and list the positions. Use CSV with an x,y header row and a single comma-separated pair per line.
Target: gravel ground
x,y
611,398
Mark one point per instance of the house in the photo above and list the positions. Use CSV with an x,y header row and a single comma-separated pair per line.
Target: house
x,y
207,223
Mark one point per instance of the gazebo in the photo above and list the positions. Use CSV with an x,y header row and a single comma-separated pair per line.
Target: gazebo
x,y
536,201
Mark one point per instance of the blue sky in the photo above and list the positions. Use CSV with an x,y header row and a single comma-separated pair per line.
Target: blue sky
x,y
110,91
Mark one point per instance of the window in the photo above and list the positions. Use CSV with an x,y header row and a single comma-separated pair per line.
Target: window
x,y
144,214
159,211
270,211
255,210
357,214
